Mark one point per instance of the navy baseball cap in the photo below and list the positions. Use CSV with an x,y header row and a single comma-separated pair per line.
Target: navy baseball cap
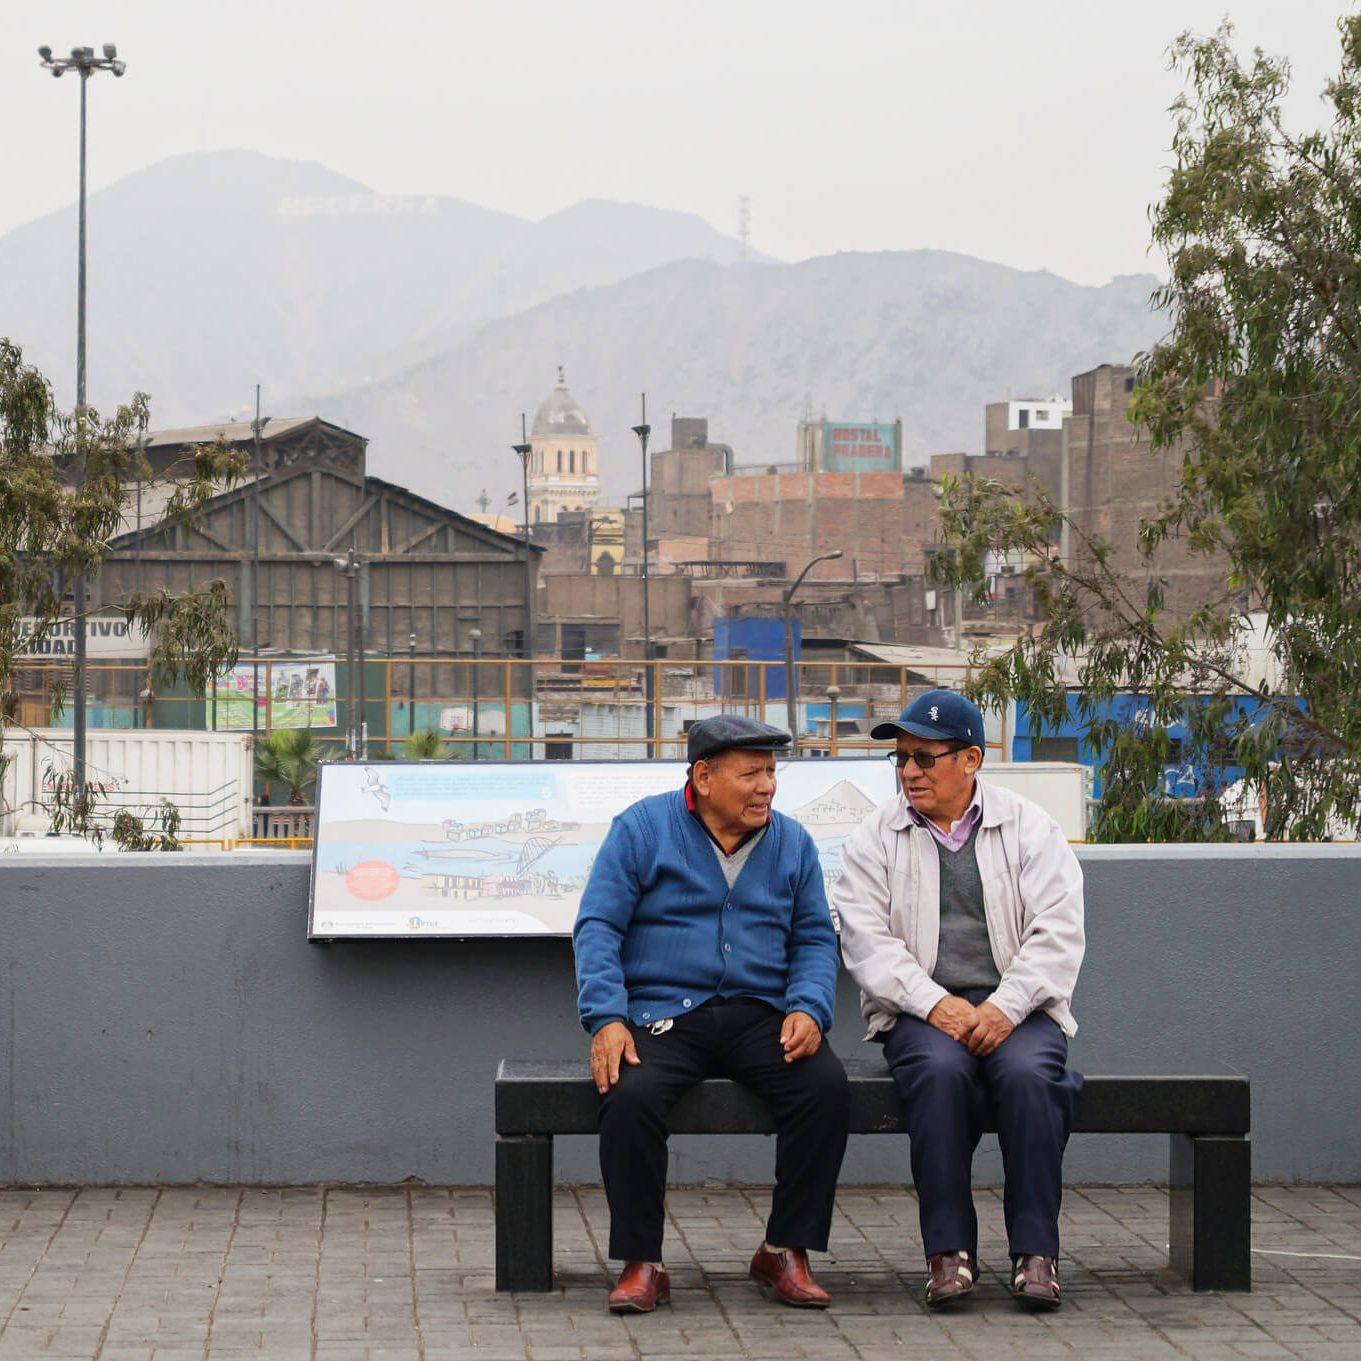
x,y
732,732
941,715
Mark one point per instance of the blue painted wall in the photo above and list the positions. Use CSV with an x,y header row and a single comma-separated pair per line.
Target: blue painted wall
x,y
1181,781
753,640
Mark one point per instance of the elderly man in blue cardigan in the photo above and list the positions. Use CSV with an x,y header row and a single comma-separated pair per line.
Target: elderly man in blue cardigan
x,y
705,948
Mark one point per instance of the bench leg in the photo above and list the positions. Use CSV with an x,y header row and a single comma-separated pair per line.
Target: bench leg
x,y
524,1212
1210,1211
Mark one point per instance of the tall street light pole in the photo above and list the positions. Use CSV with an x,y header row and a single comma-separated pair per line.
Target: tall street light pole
x,y
786,604
643,430
84,62
524,449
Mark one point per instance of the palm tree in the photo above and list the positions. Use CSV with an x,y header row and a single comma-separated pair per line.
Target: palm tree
x,y
427,745
290,755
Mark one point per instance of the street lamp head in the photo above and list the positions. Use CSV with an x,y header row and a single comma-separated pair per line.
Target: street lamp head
x,y
110,51
45,53
118,67
835,553
524,450
475,635
642,431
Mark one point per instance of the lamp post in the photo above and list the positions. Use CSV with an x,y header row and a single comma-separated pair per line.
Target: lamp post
x,y
786,604
348,567
476,635
84,62
643,430
833,694
411,684
524,449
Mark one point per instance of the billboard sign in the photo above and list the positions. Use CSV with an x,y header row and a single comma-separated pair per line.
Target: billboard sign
x,y
108,637
857,447
292,694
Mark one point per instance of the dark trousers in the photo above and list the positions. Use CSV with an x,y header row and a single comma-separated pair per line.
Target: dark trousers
x,y
948,1092
737,1038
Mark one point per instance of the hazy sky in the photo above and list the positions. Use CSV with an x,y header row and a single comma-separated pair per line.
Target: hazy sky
x,y
1034,133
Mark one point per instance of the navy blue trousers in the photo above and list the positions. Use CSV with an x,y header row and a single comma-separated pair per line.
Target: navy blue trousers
x,y
736,1038
948,1093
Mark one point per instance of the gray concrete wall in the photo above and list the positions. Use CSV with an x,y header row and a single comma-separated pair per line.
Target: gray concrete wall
x,y
163,1019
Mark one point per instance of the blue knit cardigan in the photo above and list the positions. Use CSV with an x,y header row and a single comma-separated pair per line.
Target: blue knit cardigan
x,y
659,932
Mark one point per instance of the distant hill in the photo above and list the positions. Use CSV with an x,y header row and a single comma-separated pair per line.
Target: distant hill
x,y
926,335
213,271
429,324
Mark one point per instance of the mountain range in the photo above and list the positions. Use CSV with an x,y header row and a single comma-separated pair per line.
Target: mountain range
x,y
428,324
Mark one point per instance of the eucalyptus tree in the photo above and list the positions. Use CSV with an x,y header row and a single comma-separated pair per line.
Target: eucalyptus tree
x,y
1257,387
66,481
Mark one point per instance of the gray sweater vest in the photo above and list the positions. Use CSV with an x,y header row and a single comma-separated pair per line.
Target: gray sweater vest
x,y
965,957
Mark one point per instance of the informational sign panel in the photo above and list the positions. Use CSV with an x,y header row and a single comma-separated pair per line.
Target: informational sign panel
x,y
850,447
450,848
292,694
107,637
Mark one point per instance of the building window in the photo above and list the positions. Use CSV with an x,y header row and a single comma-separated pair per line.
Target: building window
x,y
1041,415
1129,384
571,460
558,750
585,462
1053,749
1023,418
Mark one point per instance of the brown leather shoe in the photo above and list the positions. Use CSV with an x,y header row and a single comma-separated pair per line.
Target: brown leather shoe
x,y
1035,1281
951,1276
787,1274
640,1290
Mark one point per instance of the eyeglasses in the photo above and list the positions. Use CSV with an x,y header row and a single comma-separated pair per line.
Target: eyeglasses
x,y
924,759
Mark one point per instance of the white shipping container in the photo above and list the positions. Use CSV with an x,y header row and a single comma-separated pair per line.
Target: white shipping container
x,y
1063,789
208,776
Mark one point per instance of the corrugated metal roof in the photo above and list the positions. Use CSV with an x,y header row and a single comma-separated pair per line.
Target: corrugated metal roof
x,y
236,431
903,655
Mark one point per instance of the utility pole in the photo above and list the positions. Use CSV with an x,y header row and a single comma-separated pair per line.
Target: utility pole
x,y
643,430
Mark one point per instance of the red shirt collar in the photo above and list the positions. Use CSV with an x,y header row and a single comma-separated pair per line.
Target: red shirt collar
x,y
692,807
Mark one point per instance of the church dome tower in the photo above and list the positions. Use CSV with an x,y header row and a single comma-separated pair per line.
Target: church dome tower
x,y
564,472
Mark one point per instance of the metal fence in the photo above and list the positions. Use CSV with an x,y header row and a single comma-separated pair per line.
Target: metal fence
x,y
508,708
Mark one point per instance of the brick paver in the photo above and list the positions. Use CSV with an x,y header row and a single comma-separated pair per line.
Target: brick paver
x,y
406,1274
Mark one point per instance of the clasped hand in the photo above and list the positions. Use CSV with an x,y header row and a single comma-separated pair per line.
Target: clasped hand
x,y
980,1029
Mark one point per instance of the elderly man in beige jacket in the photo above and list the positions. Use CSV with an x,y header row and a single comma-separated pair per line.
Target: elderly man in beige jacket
x,y
962,921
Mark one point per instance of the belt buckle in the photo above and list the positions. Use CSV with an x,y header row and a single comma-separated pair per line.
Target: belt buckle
x,y
660,1027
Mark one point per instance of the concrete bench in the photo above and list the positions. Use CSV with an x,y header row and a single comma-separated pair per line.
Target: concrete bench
x,y
1207,1118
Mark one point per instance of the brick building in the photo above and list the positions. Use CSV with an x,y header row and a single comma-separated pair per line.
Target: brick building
x,y
1116,481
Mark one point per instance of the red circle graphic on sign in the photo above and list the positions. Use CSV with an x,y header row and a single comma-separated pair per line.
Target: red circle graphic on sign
x,y
372,879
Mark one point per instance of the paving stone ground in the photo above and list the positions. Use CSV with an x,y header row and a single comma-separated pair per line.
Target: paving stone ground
x,y
406,1274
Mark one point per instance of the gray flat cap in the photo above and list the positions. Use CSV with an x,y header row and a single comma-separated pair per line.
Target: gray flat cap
x,y
732,732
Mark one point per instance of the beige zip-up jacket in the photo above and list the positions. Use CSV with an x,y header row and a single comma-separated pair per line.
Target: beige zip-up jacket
x,y
888,899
